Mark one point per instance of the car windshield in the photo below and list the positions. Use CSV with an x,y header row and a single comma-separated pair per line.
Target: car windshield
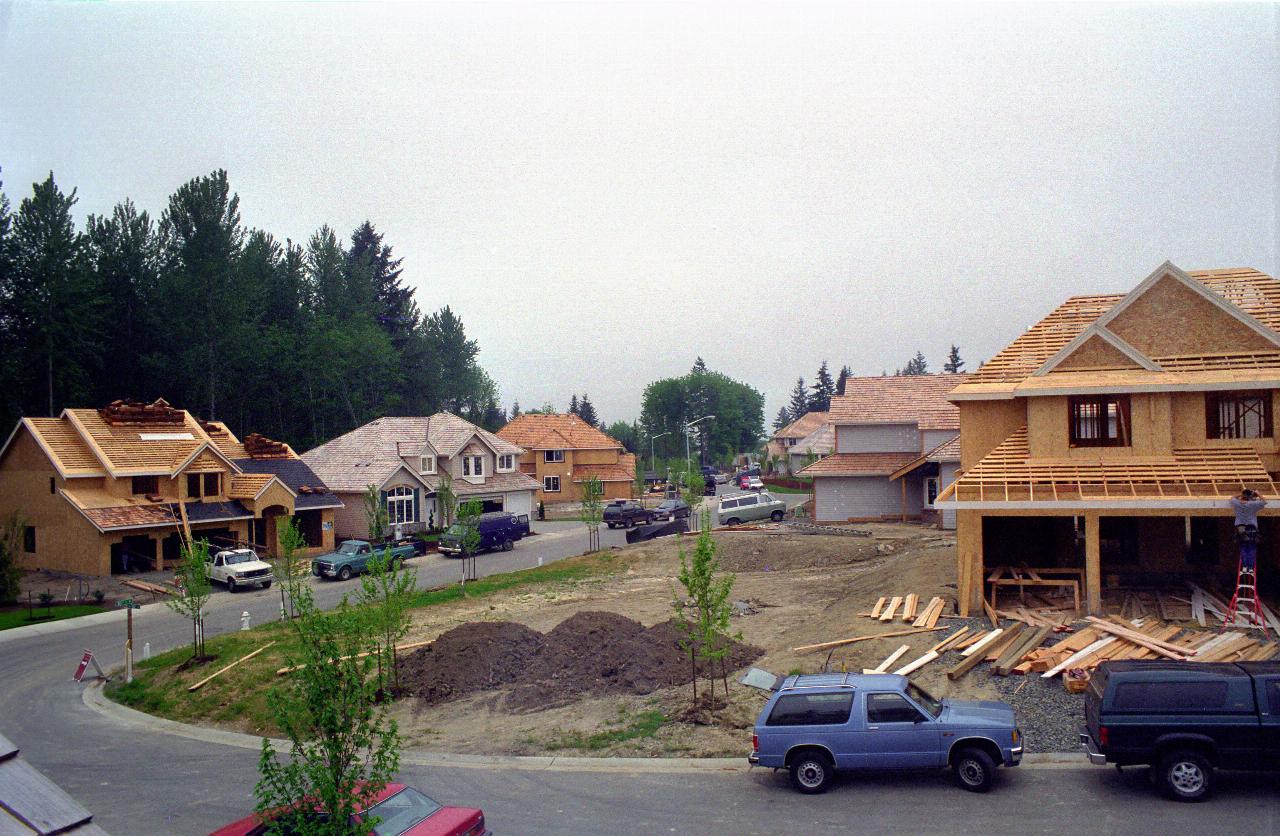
x,y
401,811
349,548
454,530
239,557
925,700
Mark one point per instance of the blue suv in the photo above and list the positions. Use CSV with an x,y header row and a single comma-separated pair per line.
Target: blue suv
x,y
816,724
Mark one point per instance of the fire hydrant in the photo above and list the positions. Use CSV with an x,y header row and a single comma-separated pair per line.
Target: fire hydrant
x,y
244,620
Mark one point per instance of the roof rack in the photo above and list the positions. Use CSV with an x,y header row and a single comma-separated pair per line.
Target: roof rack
x,y
800,681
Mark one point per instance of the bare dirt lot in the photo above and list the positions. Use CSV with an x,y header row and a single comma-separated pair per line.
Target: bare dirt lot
x,y
797,590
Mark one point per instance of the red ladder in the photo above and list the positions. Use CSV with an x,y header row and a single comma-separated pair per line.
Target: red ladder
x,y
1245,601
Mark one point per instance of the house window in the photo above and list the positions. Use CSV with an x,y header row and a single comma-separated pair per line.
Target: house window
x,y
145,484
551,484
553,455
1099,421
193,485
473,465
506,462
400,506
29,539
930,490
428,464
1238,414
212,483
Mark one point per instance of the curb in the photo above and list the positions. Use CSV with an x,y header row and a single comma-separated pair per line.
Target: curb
x,y
97,701
61,625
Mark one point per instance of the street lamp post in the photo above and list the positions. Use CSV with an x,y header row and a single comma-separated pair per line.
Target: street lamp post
x,y
653,461
687,427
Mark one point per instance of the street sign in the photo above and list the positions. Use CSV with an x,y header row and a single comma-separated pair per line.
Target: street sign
x,y
83,666
129,603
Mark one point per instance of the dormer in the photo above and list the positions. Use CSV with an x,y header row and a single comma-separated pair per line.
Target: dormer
x,y
474,462
419,456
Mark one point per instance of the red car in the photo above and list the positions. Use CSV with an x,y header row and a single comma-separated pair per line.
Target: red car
x,y
401,810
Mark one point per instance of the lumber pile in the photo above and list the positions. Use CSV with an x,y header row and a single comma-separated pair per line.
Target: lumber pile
x,y
153,588
908,609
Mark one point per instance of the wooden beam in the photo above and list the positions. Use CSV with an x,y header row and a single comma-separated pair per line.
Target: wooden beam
x,y
1092,563
986,640
890,659
917,664
214,676
808,648
887,615
970,662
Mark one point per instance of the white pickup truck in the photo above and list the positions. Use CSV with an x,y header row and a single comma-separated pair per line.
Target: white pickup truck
x,y
239,568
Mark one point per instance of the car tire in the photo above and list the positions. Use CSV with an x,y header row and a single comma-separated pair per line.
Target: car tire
x,y
267,585
974,770
507,545
231,586
1185,775
344,574
776,516
811,772
733,521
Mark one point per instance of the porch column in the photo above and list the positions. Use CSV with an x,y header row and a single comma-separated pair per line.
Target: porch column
x,y
903,482
969,563
159,541
1092,564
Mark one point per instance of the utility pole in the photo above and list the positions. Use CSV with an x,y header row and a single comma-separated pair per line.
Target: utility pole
x,y
653,462
687,427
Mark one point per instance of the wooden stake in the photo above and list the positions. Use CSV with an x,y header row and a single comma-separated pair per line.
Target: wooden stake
x,y
244,658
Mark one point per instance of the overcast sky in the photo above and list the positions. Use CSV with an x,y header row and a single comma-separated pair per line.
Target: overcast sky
x,y
605,192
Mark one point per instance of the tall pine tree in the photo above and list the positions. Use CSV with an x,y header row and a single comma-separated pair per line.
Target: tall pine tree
x,y
799,405
587,412
954,364
823,389
573,405
845,374
783,418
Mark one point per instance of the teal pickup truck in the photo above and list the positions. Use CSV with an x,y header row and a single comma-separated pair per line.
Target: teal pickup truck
x,y
352,557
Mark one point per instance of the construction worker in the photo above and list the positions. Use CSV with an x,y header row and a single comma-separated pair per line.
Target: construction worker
x,y
1247,505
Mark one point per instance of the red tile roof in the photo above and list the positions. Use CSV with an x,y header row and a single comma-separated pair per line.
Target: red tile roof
x,y
903,399
858,464
623,471
534,431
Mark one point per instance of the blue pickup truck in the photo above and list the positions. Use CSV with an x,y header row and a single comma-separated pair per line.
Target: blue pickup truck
x,y
816,724
352,557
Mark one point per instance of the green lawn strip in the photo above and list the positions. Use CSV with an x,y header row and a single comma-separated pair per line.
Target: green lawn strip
x,y
18,618
239,695
644,724
783,489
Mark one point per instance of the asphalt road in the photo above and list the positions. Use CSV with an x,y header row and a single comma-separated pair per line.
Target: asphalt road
x,y
146,781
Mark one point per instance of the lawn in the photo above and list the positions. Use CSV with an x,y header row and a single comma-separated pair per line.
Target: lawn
x,y
18,618
783,489
238,697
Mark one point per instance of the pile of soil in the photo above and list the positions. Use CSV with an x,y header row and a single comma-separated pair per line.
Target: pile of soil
x,y
589,653
781,552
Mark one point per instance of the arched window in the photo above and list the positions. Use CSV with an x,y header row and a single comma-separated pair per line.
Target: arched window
x,y
400,506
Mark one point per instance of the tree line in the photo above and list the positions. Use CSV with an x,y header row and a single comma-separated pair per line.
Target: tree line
x,y
671,403
299,341
817,397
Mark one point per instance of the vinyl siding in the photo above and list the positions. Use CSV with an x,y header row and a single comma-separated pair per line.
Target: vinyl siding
x,y
947,475
877,438
933,438
839,498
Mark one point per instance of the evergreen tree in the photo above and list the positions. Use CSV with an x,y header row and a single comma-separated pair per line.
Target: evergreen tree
x,y
823,389
327,284
587,412
954,364
799,405
916,365
53,303
123,253
573,405
515,409
845,374
371,259
784,418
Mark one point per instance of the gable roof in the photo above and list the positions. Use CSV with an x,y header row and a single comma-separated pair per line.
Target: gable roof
x,y
803,425
903,399
370,454
534,431
1242,295
821,441
310,489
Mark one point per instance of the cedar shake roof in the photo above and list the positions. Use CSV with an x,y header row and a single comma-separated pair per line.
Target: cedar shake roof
x,y
947,451
803,426
623,471
106,511
858,464
497,483
248,485
1250,291
368,455
902,399
1009,474
132,449
534,431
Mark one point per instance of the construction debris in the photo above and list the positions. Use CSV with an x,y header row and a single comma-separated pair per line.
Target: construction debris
x,y
809,648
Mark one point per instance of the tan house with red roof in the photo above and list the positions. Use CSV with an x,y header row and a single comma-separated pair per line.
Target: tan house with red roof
x,y
562,451
809,435
1108,439
104,490
895,450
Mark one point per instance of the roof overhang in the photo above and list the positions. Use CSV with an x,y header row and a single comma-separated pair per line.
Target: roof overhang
x,y
1118,506
211,447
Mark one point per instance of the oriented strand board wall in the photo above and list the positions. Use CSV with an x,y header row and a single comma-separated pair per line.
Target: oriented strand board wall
x,y
1096,353
1171,318
985,424
1048,429
1189,428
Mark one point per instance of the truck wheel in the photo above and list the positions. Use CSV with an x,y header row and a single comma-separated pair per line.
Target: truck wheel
x,y
231,585
507,545
344,574
1185,776
811,772
974,770
267,585
776,516
733,521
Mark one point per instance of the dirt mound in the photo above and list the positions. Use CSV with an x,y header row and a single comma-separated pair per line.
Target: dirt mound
x,y
780,552
587,653
470,658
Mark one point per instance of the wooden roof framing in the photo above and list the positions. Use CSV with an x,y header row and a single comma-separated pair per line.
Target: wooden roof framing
x,y
1009,474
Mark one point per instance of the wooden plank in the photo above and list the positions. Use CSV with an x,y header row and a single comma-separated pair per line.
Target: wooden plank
x,y
951,640
909,608
924,616
991,614
890,659
808,648
1014,655
1166,649
1073,660
896,602
875,613
399,647
988,639
917,664
214,676
970,662
936,614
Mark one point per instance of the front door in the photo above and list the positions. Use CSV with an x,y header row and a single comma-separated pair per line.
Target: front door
x,y
899,735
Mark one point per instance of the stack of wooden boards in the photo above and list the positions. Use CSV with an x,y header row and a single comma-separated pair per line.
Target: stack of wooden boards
x,y
907,608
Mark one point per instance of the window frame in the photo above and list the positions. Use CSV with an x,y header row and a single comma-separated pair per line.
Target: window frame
x,y
29,539
198,481
552,456
1124,426
214,479
934,483
920,715
144,482
422,464
546,484
507,468
811,703
1214,401
477,465
401,497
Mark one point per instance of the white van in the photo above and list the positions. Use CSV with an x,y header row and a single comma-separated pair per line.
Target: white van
x,y
747,507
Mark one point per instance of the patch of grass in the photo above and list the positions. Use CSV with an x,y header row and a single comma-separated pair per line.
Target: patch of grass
x,y
41,615
644,724
785,489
